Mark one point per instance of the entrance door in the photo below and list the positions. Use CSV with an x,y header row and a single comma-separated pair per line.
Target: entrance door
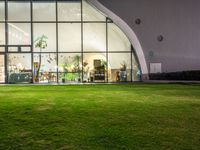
x,y
19,64
2,69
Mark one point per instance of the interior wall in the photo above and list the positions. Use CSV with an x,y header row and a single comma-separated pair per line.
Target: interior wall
x,y
176,20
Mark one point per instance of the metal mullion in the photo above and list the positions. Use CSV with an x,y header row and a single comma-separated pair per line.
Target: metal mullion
x,y
64,52
69,22
18,45
19,21
6,41
43,22
44,52
94,21
32,40
107,50
82,38
59,21
119,52
131,64
57,39
17,52
94,52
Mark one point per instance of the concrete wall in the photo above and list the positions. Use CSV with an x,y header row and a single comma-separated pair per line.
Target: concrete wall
x,y
177,20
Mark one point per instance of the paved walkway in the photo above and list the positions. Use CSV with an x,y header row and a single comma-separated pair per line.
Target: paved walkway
x,y
172,81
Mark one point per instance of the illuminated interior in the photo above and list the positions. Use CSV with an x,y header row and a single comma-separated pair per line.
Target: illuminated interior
x,y
77,45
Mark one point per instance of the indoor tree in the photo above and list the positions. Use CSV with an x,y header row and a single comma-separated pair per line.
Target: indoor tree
x,y
41,43
77,60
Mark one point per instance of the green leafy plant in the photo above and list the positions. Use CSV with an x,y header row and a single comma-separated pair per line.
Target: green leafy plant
x,y
77,62
123,66
104,63
41,43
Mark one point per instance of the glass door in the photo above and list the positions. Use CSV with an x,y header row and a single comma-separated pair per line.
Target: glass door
x,y
19,64
2,69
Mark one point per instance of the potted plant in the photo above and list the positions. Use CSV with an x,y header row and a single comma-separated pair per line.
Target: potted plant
x,y
123,73
65,67
77,62
104,64
123,66
41,43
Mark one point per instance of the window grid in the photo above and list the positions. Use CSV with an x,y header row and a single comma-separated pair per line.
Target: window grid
x,y
57,52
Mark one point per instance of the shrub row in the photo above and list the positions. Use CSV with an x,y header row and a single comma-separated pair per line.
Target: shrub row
x,y
184,75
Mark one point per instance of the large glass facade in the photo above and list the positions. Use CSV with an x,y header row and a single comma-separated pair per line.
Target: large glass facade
x,y
62,41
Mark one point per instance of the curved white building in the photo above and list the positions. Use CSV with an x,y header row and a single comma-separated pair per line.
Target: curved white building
x,y
64,41
67,41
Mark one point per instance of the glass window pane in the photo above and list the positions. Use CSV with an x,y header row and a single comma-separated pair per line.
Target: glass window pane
x,y
2,49
2,11
13,49
119,67
69,11
94,37
44,11
94,67
92,14
2,33
2,69
69,36
70,66
49,31
117,40
48,67
136,72
19,68
25,49
19,11
19,33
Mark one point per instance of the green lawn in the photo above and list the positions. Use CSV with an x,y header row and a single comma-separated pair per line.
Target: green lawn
x,y
90,117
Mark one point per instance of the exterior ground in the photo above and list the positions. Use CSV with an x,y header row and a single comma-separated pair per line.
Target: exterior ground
x,y
129,116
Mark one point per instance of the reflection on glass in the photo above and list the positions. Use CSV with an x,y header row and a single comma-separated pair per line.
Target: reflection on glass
x,y
47,67
13,49
2,11
2,69
2,49
69,11
2,33
136,71
117,40
91,14
44,11
48,30
19,33
94,37
94,67
69,36
25,49
119,65
19,11
19,68
69,66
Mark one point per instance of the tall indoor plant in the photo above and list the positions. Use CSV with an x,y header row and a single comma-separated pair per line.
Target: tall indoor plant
x,y
77,60
41,43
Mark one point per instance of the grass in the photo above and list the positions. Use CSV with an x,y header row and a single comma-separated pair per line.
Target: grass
x,y
98,117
